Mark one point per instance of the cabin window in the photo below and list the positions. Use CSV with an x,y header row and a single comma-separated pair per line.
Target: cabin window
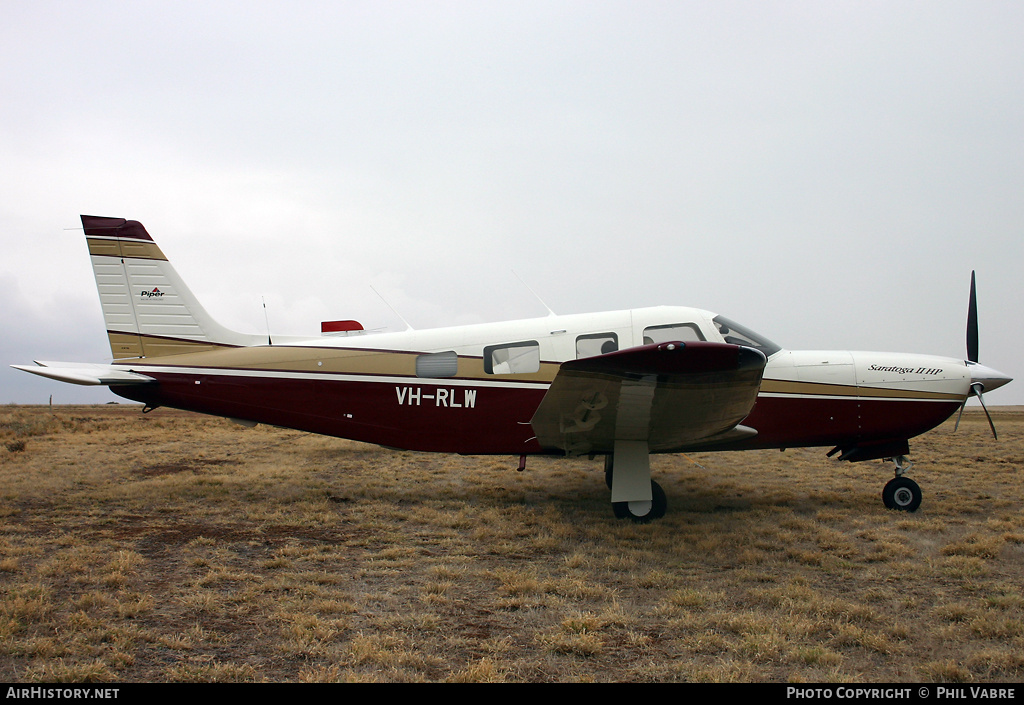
x,y
596,344
512,358
676,331
442,364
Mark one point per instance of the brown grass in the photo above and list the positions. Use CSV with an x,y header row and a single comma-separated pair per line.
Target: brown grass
x,y
174,547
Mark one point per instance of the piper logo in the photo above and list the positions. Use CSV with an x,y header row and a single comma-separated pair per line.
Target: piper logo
x,y
150,294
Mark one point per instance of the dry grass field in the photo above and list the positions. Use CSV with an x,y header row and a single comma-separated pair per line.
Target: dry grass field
x,y
174,547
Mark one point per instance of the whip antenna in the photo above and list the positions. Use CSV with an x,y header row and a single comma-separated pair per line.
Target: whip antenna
x,y
550,312
393,309
266,318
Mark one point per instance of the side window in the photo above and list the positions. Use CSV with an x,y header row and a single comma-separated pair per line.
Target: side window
x,y
442,364
513,358
596,344
675,331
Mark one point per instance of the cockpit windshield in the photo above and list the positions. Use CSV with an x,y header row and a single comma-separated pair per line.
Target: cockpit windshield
x,y
736,334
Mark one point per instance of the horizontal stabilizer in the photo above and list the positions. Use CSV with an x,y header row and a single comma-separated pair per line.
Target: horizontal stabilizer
x,y
86,373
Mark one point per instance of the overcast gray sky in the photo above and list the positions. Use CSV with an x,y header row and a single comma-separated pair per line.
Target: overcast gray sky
x,y
827,173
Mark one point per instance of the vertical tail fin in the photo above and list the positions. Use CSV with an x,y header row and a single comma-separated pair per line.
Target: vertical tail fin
x,y
147,308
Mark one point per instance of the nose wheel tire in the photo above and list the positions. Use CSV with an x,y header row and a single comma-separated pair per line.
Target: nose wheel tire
x,y
643,512
902,494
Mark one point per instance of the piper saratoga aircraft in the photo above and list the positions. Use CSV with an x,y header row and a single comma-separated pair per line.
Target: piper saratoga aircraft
x,y
619,384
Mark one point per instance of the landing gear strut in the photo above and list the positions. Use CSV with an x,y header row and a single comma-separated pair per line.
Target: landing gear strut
x,y
901,493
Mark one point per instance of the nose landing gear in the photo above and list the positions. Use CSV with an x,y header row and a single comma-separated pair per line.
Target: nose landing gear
x,y
901,493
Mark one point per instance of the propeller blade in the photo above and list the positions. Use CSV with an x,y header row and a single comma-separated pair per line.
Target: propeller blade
x,y
976,392
959,414
976,388
972,324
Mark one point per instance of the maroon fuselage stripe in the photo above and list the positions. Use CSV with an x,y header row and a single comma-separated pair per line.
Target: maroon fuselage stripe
x,y
794,421
488,420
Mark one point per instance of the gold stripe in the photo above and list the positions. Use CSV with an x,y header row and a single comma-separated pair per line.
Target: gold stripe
x,y
473,367
125,345
124,247
106,248
133,345
186,353
874,392
325,360
779,386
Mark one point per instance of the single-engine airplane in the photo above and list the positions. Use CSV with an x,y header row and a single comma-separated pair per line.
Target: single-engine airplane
x,y
620,384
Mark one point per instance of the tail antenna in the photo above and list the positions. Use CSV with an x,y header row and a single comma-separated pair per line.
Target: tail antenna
x,y
266,318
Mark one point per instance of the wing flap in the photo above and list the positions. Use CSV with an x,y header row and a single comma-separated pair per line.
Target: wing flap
x,y
85,373
671,395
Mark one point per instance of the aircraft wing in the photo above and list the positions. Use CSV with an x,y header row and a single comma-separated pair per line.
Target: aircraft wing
x,y
671,395
86,373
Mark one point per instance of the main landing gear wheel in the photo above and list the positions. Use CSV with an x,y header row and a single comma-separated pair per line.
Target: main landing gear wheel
x,y
903,494
643,512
